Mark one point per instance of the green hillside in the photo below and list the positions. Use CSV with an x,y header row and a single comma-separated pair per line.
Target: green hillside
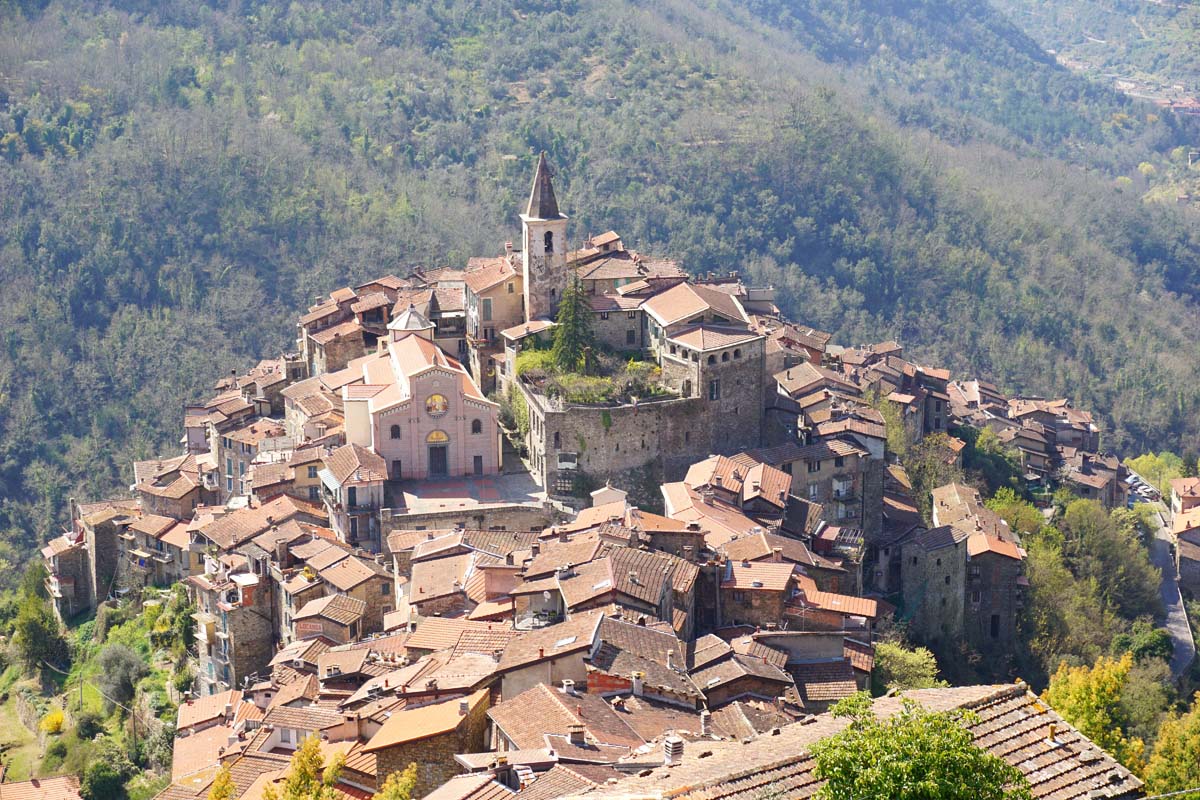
x,y
181,178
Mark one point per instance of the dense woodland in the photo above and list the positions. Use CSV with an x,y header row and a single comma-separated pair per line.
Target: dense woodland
x,y
181,178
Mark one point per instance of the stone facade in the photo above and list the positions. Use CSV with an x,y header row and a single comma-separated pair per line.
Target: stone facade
x,y
995,597
758,607
434,755
620,330
235,635
932,579
501,516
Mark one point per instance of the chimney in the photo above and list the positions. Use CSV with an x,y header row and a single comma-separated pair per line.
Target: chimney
x,y
670,659
281,552
672,751
541,652
463,708
577,734
694,526
228,710
618,703
638,686
706,723
535,548
777,554
568,686
508,248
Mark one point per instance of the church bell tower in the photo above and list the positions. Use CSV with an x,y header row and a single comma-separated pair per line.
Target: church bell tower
x,y
544,248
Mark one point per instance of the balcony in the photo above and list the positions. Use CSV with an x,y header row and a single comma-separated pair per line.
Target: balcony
x,y
206,627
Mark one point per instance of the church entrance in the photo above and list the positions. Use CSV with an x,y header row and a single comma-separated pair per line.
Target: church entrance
x,y
439,464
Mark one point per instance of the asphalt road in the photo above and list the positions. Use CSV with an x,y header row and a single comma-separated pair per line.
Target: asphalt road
x,y
1177,621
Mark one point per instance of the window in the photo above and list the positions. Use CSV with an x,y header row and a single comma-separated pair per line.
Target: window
x,y
487,309
631,315
947,580
477,465
937,423
383,587
395,431
724,356
814,493
787,467
737,353
976,597
739,597
603,315
229,466
557,440
814,466
672,349
995,626
839,461
714,389
511,288
914,561
939,562
476,426
631,336
312,472
712,359
314,493
352,496
548,239
937,406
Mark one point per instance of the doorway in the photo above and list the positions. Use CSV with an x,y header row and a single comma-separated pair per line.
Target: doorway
x,y
439,464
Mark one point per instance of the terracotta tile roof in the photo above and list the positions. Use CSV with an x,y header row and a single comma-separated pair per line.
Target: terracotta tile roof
x,y
342,330
422,722
205,709
351,572
305,718
370,302
531,328
827,681
1011,723
712,337
65,788
336,607
306,650
979,543
575,634
484,273
479,786
526,719
319,311
306,688
483,642
684,301
440,633
860,654
1188,488
59,545
239,526
757,576
736,667
199,751
357,464
758,547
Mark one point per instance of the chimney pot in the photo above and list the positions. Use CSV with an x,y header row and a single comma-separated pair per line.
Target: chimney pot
x,y
463,708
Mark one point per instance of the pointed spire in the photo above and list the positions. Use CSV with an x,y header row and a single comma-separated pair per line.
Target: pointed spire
x,y
542,202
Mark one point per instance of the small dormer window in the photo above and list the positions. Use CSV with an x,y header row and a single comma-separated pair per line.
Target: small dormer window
x,y
549,240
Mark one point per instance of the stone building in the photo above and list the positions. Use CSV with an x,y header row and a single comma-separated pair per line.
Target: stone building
x,y
543,247
234,632
352,480
430,736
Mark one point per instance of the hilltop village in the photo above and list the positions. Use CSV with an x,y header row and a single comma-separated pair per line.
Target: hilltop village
x,y
420,540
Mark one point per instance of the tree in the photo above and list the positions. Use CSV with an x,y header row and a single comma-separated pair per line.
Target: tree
x,y
1096,546
399,785
1090,699
1158,468
120,670
913,755
309,778
37,634
33,582
931,463
1021,515
222,787
573,337
899,668
1175,763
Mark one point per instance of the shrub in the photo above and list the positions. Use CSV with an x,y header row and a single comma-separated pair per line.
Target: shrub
x,y
53,722
120,670
88,724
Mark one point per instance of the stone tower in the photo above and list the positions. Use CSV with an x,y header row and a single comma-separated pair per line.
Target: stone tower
x,y
544,248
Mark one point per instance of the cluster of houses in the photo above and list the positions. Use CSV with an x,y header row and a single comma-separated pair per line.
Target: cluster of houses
x,y
373,563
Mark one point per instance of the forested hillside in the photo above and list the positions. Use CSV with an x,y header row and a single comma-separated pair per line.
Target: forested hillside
x,y
180,178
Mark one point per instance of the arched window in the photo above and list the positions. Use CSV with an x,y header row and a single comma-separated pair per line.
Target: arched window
x,y
395,431
549,240
724,356
476,426
712,359
737,353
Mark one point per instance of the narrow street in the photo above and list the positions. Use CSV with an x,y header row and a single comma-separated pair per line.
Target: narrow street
x,y
1177,621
